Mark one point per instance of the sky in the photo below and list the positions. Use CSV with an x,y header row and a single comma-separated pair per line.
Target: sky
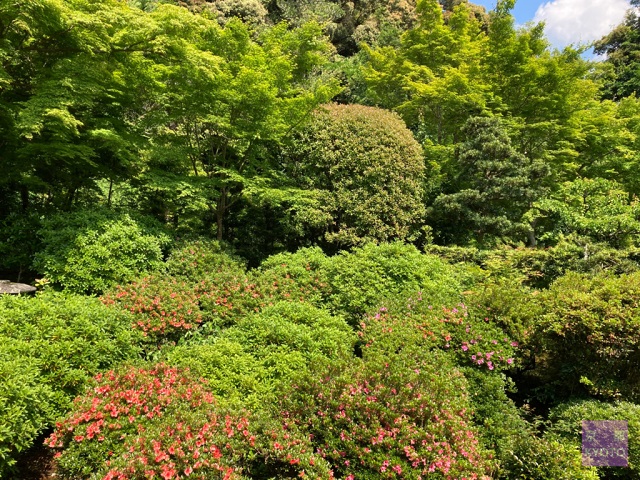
x,y
569,21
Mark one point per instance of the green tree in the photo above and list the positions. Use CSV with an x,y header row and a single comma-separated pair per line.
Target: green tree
x,y
495,186
621,48
232,101
369,169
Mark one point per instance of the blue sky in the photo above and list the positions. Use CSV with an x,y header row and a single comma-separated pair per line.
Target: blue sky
x,y
569,21
524,11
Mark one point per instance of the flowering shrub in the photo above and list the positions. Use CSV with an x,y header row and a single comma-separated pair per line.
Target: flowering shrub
x,y
160,422
227,302
393,417
471,340
162,307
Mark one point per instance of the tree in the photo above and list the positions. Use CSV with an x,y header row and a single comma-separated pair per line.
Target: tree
x,y
622,47
232,101
494,187
369,169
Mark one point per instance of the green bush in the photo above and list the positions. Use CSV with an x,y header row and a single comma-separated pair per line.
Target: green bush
x,y
198,260
50,346
26,404
369,168
364,278
588,337
90,251
566,422
252,359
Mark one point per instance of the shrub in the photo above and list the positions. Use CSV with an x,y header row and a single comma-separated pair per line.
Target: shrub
x,y
305,269
469,340
25,404
399,416
362,279
588,336
369,167
162,307
88,252
50,346
161,421
197,260
566,422
251,360
70,337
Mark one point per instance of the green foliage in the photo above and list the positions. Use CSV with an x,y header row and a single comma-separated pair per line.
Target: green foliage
x,y
493,188
392,416
18,245
252,360
369,169
587,337
535,458
25,404
620,47
91,251
565,421
362,279
51,345
598,209
197,260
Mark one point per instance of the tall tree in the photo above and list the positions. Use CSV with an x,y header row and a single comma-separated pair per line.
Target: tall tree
x,y
622,49
231,102
494,188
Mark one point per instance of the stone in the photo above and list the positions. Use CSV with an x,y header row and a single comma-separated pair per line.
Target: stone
x,y
11,288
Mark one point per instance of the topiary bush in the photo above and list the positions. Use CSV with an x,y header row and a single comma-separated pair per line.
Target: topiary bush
x,y
91,251
369,167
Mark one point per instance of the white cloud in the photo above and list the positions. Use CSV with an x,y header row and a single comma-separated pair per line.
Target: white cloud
x,y
574,21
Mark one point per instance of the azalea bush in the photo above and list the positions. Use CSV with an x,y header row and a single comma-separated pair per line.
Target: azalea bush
x,y
162,421
162,307
468,338
398,416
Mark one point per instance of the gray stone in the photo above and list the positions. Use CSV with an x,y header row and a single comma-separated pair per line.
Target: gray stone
x,y
11,288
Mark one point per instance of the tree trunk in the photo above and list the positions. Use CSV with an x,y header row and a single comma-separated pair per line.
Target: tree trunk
x,y
220,210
